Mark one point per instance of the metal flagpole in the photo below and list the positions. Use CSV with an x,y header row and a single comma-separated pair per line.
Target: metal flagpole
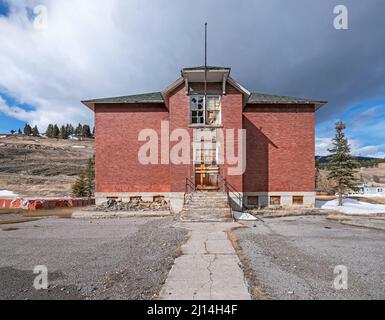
x,y
205,70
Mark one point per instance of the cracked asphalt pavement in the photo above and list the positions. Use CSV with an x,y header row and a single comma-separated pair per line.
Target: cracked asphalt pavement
x,y
88,259
295,258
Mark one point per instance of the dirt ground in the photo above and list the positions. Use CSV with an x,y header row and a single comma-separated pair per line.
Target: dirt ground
x,y
295,257
88,259
31,166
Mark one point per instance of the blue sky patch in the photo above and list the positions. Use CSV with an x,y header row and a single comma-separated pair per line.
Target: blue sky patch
x,y
4,8
365,128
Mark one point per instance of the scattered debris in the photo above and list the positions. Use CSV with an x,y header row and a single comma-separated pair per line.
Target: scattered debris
x,y
135,204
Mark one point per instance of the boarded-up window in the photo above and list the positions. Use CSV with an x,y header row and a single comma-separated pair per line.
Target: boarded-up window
x,y
275,200
253,201
297,200
135,199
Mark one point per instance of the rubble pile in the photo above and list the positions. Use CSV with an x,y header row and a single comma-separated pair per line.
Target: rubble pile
x,y
134,205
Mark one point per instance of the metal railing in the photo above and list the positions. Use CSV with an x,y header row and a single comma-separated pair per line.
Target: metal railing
x,y
189,188
230,190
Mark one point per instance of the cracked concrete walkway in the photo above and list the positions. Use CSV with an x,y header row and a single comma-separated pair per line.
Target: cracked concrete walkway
x,y
208,269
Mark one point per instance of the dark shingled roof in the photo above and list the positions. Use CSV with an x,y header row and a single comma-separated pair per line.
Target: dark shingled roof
x,y
153,97
156,97
257,98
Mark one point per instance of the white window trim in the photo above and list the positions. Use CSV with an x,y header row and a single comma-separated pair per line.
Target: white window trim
x,y
205,110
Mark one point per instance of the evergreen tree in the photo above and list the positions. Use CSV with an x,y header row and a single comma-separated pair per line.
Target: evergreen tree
x,y
342,167
63,133
90,178
49,132
86,131
35,131
79,189
19,132
27,129
79,130
69,130
55,132
13,132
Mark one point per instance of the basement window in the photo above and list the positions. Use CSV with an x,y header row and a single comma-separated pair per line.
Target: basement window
x,y
253,201
297,200
275,200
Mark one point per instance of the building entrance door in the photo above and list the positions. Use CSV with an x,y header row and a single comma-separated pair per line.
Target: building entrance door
x,y
205,161
206,177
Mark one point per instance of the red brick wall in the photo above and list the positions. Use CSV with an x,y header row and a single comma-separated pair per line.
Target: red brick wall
x,y
117,165
280,148
179,107
232,119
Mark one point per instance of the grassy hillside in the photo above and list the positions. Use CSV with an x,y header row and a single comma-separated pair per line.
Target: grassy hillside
x,y
31,166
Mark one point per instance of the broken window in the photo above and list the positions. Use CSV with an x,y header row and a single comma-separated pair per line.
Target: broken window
x,y
197,110
205,111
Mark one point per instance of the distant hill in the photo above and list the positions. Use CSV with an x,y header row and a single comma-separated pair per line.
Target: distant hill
x,y
325,159
35,167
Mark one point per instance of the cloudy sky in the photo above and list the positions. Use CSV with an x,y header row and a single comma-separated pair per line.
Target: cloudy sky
x,y
98,48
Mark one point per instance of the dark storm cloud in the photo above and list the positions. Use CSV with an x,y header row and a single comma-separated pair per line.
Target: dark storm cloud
x,y
98,48
286,47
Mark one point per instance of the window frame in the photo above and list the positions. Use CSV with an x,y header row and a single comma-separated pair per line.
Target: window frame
x,y
296,202
256,203
271,200
205,110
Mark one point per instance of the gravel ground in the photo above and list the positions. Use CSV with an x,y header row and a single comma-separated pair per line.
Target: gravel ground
x,y
294,258
98,259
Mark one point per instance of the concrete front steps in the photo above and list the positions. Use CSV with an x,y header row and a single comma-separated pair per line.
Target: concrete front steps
x,y
207,207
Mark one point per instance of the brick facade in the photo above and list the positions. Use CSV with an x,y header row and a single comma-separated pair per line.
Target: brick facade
x,y
117,166
280,147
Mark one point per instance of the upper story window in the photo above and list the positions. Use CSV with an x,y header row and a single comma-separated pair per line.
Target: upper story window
x,y
206,111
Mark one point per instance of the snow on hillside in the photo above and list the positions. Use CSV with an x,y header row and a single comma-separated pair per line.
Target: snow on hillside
x,y
354,207
6,193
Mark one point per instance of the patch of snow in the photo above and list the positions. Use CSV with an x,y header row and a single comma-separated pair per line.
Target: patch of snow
x,y
376,195
6,193
354,207
244,216
79,147
3,137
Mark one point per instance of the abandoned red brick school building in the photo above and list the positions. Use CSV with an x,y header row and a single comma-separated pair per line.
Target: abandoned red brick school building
x,y
206,102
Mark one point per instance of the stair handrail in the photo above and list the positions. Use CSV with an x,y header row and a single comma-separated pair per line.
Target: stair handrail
x,y
229,189
227,186
189,188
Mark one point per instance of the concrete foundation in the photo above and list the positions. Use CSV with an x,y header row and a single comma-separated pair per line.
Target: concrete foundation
x,y
286,199
176,199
